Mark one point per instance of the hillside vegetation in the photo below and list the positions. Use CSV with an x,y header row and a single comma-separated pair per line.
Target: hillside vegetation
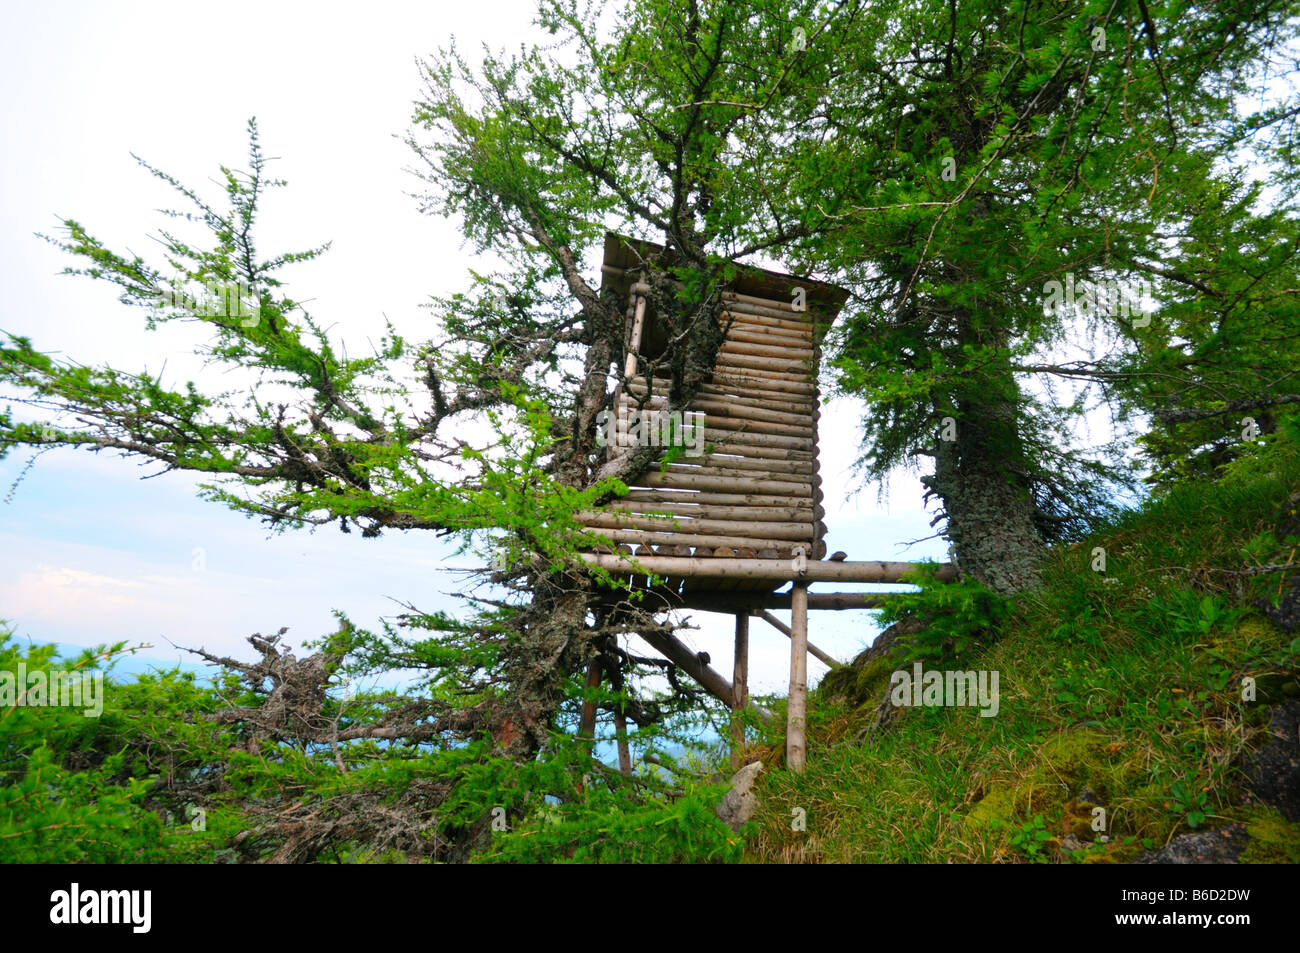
x,y
1120,690
1132,704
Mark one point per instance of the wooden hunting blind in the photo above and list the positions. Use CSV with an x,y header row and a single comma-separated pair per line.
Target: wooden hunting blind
x,y
744,482
736,510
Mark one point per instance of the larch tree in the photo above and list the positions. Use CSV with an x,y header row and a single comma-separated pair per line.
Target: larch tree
x,y
1017,182
615,125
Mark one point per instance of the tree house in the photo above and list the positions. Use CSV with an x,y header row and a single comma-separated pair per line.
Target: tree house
x,y
732,510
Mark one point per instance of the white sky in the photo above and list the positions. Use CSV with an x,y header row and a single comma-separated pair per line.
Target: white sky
x,y
89,553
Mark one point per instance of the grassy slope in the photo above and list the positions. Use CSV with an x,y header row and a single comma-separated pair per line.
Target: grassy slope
x,y
1125,688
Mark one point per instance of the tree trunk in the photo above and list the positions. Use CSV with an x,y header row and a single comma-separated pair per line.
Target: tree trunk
x,y
982,478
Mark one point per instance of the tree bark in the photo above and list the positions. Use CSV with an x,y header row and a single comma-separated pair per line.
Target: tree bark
x,y
983,480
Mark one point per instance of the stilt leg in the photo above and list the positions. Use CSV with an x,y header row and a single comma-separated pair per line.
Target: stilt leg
x,y
740,684
796,717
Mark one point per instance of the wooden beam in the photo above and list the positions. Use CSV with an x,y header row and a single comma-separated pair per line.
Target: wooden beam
x,y
781,627
774,570
676,480
690,662
796,746
740,683
749,514
638,324
731,602
724,498
687,539
838,600
682,523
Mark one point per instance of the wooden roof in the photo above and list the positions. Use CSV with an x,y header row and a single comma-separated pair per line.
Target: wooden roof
x,y
623,256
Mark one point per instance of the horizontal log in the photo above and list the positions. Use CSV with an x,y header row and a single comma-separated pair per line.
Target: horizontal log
x,y
774,303
738,410
771,569
762,386
630,428
734,323
787,342
739,313
687,481
734,498
801,395
709,394
706,596
775,351
734,447
713,600
790,342
680,524
736,368
708,540
723,438
745,425
785,305
740,476
769,309
786,402
716,411
805,386
755,513
840,600
780,306
798,469
794,469
785,363
729,443
755,315
766,337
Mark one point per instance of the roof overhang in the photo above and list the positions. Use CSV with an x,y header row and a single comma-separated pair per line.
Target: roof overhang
x,y
626,257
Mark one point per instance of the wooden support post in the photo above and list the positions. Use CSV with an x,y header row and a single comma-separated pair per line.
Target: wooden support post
x,y
796,713
740,685
638,326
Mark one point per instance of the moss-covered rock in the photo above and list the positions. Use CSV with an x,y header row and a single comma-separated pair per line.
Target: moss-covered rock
x,y
1273,840
1070,775
864,680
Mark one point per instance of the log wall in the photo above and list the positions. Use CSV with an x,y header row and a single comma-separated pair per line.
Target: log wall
x,y
748,485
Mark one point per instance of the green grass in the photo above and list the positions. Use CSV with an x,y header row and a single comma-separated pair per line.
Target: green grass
x,y
1120,691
